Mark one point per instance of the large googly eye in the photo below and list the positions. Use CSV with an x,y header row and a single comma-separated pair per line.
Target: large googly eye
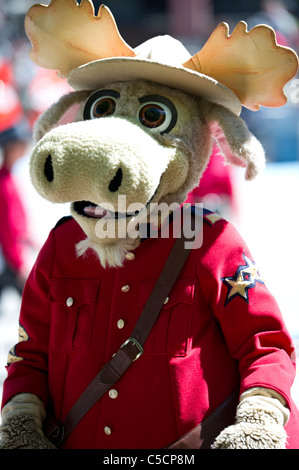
x,y
157,113
103,107
101,104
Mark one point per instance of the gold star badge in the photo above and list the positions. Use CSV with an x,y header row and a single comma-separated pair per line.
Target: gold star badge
x,y
244,279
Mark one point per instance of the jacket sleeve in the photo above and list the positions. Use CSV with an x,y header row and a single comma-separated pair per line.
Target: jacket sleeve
x,y
28,359
247,312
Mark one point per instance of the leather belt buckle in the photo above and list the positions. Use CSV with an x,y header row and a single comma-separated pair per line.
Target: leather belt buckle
x,y
135,343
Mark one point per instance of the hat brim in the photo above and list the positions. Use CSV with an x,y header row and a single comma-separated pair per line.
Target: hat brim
x,y
101,72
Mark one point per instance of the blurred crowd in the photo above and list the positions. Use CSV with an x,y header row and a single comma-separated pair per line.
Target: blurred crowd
x,y
26,91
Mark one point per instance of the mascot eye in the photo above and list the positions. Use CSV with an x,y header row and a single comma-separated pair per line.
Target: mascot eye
x,y
159,115
102,108
101,104
152,115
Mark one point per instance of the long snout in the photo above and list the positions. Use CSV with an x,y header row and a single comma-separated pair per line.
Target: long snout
x,y
97,161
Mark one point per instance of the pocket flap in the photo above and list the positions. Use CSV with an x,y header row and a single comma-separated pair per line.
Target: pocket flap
x,y
182,291
73,292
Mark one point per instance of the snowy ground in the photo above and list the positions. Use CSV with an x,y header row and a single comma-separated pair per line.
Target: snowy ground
x,y
267,219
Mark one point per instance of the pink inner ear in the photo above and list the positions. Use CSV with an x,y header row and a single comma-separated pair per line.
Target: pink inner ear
x,y
69,115
224,146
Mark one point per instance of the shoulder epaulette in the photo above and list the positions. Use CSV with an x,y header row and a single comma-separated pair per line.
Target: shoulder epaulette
x,y
212,218
63,220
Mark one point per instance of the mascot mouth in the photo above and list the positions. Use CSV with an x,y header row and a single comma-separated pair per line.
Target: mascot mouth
x,y
95,211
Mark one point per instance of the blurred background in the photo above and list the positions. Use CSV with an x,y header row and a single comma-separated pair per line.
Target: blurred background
x,y
264,211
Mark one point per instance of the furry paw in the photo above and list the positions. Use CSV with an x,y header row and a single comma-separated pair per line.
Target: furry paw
x,y
259,425
20,432
251,436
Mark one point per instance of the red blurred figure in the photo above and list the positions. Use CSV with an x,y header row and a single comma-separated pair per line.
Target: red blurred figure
x,y
14,135
216,187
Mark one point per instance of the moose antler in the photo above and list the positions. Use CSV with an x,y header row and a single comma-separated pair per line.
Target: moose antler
x,y
65,35
251,64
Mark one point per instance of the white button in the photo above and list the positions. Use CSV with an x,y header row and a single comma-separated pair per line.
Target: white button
x,y
130,256
166,300
107,430
125,288
69,301
120,323
113,393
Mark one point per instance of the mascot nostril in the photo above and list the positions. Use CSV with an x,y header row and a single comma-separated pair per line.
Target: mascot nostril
x,y
48,169
116,182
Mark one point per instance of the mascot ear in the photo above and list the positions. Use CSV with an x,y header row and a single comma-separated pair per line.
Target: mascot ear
x,y
64,111
237,143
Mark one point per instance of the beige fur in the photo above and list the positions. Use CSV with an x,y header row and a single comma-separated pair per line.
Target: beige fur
x,y
51,116
259,425
109,254
22,419
246,150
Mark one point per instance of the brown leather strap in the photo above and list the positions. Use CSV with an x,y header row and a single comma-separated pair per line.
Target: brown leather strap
x,y
203,435
132,348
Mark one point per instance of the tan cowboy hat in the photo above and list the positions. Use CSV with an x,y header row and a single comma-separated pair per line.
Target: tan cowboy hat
x,y
244,68
152,62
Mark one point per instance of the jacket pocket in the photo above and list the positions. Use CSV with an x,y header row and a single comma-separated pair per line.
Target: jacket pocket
x,y
170,333
73,304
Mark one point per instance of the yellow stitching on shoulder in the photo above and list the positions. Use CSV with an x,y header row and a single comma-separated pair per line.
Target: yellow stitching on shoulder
x,y
213,217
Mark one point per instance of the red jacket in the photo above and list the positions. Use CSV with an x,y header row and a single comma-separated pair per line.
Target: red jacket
x,y
220,327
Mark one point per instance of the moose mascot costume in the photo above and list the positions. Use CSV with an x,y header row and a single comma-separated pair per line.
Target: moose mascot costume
x,y
93,368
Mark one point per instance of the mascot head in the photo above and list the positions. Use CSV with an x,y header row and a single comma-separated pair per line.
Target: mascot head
x,y
137,131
